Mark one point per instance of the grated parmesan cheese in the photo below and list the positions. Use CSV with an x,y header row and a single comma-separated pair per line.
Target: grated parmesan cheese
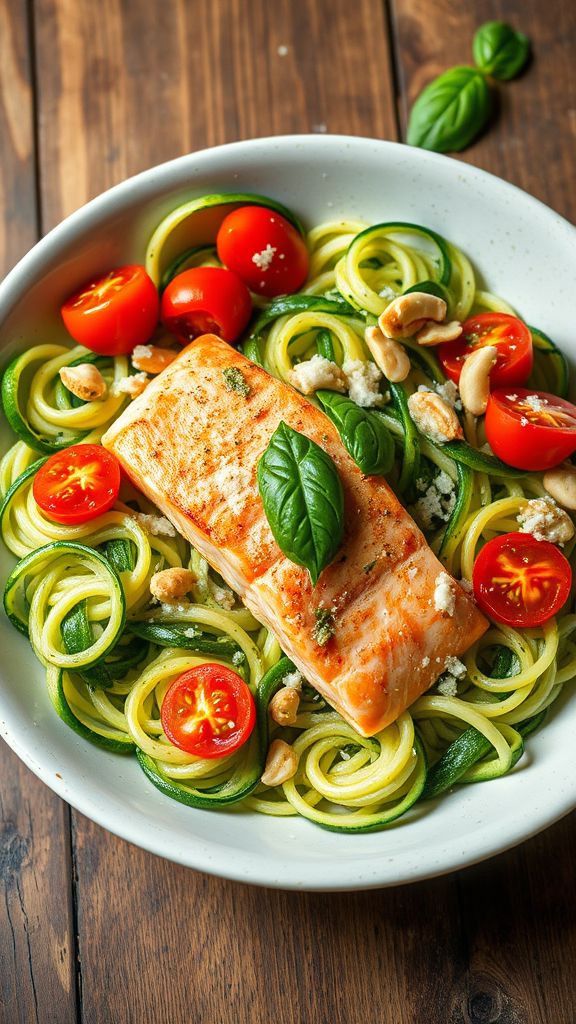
x,y
425,661
317,372
293,680
455,667
157,526
363,383
232,483
238,658
545,520
448,391
221,595
264,259
444,594
535,402
448,686
133,385
437,501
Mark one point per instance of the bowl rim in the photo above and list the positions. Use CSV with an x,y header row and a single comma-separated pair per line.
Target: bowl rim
x,y
200,855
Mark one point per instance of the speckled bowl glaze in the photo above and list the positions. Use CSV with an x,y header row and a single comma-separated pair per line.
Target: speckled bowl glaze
x,y
523,251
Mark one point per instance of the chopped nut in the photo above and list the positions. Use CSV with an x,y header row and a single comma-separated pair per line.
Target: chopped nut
x,y
389,355
475,379
407,314
170,584
284,705
560,482
281,763
435,334
85,381
151,358
434,417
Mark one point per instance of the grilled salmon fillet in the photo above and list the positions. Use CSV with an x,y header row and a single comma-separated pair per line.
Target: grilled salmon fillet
x,y
192,446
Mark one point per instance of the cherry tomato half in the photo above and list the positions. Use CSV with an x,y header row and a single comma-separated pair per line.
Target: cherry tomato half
x,y
521,581
206,300
530,429
208,711
113,313
264,249
77,484
510,336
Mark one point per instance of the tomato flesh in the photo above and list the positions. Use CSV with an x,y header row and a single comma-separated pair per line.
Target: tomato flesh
x,y
530,429
507,333
113,313
77,484
206,300
264,249
208,711
521,581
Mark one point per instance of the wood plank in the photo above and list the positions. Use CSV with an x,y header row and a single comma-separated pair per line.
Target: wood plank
x,y
530,141
124,85
518,911
37,956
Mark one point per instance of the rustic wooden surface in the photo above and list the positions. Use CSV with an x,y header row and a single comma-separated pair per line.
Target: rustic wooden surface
x,y
92,929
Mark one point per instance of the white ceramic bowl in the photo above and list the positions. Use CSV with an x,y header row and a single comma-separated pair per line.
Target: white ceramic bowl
x,y
523,251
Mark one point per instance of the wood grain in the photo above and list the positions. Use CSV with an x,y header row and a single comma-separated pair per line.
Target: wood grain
x,y
124,85
37,956
532,137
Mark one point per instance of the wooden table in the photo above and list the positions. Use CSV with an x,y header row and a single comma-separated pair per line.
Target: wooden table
x,y
93,929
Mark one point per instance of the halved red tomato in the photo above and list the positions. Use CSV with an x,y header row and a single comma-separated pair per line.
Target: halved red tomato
x,y
114,313
507,333
206,300
521,581
208,711
77,484
530,429
264,249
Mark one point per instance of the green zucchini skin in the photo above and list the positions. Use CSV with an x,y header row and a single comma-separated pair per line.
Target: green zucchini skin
x,y
460,511
286,305
389,227
173,635
17,420
411,457
246,775
462,452
58,700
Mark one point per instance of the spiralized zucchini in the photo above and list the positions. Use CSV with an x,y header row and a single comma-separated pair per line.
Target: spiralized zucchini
x,y
82,593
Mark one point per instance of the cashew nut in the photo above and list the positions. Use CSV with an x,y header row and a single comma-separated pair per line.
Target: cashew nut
x,y
151,358
560,483
85,381
407,314
434,417
475,379
170,584
281,763
389,355
284,705
435,334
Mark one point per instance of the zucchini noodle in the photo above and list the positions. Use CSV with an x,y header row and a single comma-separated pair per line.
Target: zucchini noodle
x,y
82,593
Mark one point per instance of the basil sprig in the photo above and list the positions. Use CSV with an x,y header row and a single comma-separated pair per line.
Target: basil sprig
x,y
451,111
499,50
454,108
363,434
303,499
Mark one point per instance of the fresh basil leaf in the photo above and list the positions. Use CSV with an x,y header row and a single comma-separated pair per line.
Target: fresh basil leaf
x,y
499,50
363,434
303,499
451,111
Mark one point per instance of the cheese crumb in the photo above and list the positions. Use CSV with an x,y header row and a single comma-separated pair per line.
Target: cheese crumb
x,y
448,686
191,632
264,259
293,680
437,501
448,391
455,667
221,595
535,402
425,661
444,594
238,658
545,520
363,379
158,526
317,372
133,385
